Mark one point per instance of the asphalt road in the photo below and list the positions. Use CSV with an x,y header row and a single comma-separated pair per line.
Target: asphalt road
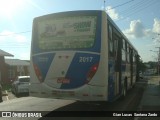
x,y
89,110
150,101
33,104
62,107
30,104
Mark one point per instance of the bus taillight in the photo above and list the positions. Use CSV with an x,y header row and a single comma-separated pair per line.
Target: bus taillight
x,y
92,72
38,73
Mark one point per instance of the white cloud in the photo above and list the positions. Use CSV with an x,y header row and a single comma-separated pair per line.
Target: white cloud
x,y
112,13
137,30
16,44
25,55
20,38
4,34
156,26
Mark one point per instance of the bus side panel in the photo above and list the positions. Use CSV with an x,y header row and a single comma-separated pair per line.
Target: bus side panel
x,y
104,52
35,85
102,73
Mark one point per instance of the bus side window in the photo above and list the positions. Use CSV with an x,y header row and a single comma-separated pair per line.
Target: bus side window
x,y
123,50
110,40
134,62
134,57
115,39
131,54
116,48
127,53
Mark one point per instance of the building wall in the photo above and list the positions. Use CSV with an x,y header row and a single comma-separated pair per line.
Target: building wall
x,y
8,73
14,71
3,70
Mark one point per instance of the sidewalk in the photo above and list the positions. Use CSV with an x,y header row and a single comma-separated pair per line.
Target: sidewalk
x,y
151,97
5,93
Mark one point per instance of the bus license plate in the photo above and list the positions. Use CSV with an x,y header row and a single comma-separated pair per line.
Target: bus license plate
x,y
63,80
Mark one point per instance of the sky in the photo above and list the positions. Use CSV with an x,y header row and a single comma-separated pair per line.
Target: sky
x,y
139,20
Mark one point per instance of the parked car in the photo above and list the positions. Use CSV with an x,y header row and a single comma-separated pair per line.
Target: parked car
x,y
21,85
141,75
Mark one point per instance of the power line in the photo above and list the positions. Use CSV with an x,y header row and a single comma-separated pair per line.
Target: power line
x,y
16,33
139,7
30,30
136,9
135,6
120,5
15,46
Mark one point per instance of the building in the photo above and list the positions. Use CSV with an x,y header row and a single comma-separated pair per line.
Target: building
x,y
16,67
3,67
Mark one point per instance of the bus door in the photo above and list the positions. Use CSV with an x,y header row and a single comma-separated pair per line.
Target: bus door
x,y
114,63
117,56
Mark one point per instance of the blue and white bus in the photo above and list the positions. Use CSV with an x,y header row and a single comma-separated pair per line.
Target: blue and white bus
x,y
81,55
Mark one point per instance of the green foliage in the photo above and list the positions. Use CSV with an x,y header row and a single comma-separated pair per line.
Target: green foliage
x,y
6,87
141,66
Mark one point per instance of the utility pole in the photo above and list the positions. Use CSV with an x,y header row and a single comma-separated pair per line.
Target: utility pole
x,y
104,4
158,64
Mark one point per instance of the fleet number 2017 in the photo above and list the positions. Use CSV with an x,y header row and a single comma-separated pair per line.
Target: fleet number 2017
x,y
85,59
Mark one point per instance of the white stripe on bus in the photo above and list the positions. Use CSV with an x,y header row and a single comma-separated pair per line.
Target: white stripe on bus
x,y
97,53
57,67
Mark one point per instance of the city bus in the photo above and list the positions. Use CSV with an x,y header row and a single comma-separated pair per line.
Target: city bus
x,y
81,55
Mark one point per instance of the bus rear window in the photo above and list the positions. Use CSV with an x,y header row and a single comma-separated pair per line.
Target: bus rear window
x,y
67,32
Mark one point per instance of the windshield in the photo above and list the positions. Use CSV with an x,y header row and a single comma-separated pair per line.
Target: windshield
x,y
67,32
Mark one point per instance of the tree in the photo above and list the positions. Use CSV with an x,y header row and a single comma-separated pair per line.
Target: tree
x,y
141,66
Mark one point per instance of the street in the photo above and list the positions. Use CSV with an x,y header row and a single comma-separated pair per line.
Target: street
x,y
90,109
31,104
129,103
150,101
118,105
